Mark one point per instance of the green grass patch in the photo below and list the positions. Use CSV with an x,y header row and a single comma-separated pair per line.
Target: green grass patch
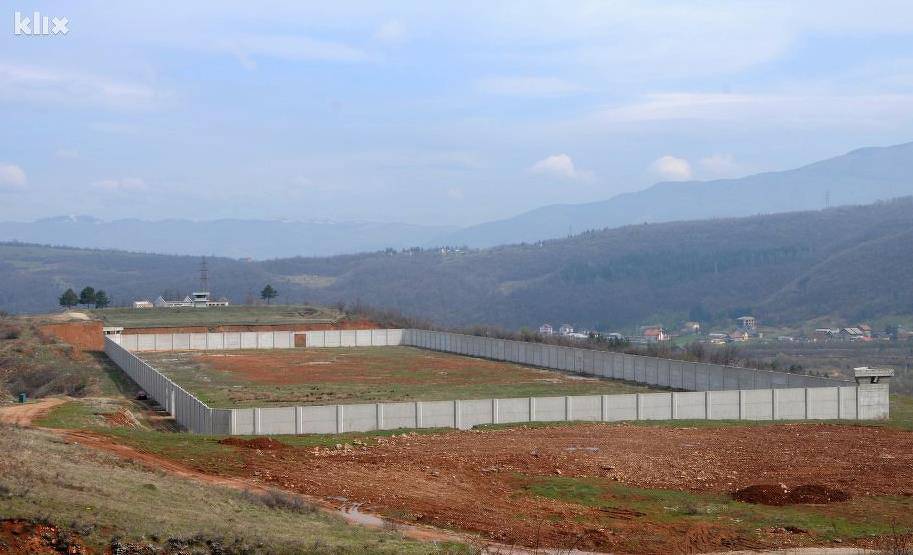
x,y
72,415
364,375
857,518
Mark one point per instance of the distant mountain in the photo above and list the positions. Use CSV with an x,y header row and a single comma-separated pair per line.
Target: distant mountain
x,y
841,265
259,239
859,177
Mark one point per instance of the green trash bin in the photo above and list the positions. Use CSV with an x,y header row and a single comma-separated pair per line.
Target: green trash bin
x,y
22,397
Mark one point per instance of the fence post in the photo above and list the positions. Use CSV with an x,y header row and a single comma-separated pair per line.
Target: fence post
x,y
639,406
494,411
840,415
674,406
258,427
418,414
532,409
339,419
380,416
741,404
457,420
568,409
299,420
604,408
708,403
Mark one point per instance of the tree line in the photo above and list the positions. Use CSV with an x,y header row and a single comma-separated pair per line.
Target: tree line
x,y
87,297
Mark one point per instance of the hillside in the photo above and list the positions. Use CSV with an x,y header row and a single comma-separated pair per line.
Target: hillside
x,y
843,263
260,239
861,176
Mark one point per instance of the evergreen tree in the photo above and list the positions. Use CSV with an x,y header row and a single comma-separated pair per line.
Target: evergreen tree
x,y
87,296
101,299
68,299
268,293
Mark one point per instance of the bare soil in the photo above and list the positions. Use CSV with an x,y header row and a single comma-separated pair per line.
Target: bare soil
x,y
31,537
83,335
475,481
26,413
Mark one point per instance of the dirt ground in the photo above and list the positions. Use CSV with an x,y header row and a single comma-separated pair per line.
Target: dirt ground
x,y
26,413
84,335
478,481
363,374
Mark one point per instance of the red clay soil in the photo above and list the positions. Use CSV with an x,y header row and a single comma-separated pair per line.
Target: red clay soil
x,y
288,367
83,335
779,495
474,481
343,325
263,443
29,537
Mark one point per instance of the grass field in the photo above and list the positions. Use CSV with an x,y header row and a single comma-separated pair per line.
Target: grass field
x,y
228,315
362,374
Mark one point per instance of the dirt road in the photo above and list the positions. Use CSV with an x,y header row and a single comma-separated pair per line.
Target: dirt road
x,y
25,414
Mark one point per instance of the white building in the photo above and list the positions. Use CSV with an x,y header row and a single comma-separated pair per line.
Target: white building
x,y
143,304
546,329
200,299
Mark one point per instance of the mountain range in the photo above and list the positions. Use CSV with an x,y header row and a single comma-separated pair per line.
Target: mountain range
x,y
862,176
839,265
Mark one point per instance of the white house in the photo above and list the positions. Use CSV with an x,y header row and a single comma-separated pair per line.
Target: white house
x,y
546,329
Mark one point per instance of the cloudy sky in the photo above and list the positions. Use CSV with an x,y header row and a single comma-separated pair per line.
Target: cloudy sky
x,y
431,112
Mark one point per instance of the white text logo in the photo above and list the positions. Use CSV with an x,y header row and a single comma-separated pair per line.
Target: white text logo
x,y
40,25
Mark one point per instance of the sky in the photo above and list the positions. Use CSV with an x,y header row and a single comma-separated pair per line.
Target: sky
x,y
430,113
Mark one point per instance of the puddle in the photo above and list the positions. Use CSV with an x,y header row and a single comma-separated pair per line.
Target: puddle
x,y
352,514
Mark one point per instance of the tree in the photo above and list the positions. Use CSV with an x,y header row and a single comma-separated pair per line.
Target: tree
x,y
69,299
87,296
268,293
101,299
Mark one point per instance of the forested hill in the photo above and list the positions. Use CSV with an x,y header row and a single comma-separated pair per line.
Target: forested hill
x,y
846,263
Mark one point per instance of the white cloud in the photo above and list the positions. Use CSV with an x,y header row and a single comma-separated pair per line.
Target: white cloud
x,y
123,185
559,165
720,165
527,86
456,193
671,168
67,153
392,32
31,83
12,177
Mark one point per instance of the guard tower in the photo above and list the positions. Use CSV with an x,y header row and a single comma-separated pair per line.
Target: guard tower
x,y
873,400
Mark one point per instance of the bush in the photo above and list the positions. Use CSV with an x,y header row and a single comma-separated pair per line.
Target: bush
x,y
279,500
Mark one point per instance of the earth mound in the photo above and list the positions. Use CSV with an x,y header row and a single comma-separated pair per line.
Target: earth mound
x,y
779,494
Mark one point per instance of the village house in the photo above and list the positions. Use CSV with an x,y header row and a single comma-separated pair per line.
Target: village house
x,y
199,299
653,334
566,329
747,323
546,329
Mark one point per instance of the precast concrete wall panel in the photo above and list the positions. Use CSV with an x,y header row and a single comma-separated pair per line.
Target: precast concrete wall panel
x,y
691,405
585,407
318,420
363,338
349,338
232,340
215,341
823,403
873,402
198,342
621,407
848,402
221,421
248,340
398,415
757,404
359,418
243,421
791,404
550,409
514,410
439,414
180,342
655,406
724,405
277,420
475,412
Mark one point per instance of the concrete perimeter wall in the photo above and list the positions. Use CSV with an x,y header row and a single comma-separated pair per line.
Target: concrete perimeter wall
x,y
674,374
232,340
819,403
713,392
188,411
